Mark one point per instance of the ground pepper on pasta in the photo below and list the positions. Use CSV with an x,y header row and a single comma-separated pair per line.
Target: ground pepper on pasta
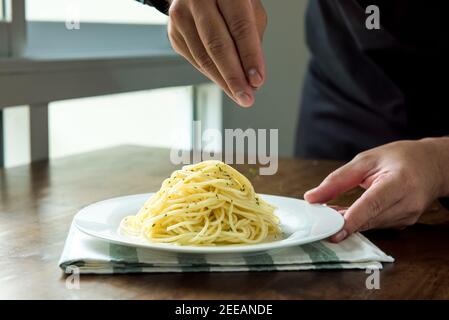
x,y
209,203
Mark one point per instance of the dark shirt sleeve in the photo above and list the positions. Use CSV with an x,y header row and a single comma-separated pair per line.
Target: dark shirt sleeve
x,y
161,5
445,202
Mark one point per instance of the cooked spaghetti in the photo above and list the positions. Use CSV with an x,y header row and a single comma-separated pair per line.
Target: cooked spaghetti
x,y
208,203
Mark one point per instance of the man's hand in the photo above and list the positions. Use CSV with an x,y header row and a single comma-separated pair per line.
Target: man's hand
x,y
401,180
222,39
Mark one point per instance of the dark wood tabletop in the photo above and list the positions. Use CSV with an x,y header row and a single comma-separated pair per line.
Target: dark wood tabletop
x,y
38,202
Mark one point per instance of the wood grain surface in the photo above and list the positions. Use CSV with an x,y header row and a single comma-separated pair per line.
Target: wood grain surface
x,y
38,202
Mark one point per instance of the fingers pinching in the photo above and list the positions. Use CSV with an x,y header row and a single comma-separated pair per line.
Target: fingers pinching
x,y
220,47
239,16
191,47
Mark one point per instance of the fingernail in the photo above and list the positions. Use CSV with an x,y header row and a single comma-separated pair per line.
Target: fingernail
x,y
308,193
243,98
255,78
340,236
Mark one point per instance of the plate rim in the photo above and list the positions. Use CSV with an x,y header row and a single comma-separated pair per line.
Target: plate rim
x,y
230,249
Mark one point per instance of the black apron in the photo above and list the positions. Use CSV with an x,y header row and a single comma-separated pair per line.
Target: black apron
x,y
365,88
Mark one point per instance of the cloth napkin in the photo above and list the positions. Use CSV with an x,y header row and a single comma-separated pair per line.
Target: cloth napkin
x,y
85,254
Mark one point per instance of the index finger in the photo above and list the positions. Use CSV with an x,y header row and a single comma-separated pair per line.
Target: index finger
x,y
221,48
239,16
381,196
341,180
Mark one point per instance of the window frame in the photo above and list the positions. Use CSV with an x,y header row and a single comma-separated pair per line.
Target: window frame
x,y
26,67
4,25
44,78
12,28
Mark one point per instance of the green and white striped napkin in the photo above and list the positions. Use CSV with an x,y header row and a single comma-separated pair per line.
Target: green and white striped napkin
x,y
90,255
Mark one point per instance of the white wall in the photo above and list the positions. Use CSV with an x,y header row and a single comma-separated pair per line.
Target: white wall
x,y
157,118
277,103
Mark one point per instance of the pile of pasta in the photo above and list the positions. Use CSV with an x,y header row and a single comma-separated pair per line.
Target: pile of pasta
x,y
209,203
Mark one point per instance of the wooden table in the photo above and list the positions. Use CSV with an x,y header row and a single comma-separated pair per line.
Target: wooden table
x,y
37,204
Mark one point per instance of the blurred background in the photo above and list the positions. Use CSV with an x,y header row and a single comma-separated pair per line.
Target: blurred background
x,y
82,75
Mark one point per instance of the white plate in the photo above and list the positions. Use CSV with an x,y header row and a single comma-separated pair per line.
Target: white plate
x,y
300,223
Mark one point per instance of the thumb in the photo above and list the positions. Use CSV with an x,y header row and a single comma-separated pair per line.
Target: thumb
x,y
341,180
384,193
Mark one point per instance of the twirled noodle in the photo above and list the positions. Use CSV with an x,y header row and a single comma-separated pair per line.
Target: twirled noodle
x,y
208,203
